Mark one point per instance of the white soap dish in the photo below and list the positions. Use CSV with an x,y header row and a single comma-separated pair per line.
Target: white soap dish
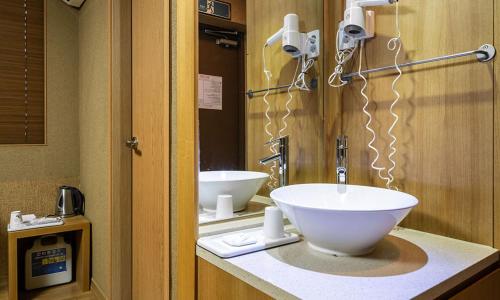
x,y
241,242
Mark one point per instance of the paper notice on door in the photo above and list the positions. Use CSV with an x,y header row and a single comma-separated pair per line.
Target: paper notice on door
x,y
209,92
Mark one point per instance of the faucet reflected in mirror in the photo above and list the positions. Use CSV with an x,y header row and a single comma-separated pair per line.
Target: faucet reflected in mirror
x,y
341,161
281,157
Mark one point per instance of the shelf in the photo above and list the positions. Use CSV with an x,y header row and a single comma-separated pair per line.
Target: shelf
x,y
59,292
79,288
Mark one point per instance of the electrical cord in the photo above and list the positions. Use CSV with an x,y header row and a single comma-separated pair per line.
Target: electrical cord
x,y
300,83
289,100
272,179
394,44
341,57
367,125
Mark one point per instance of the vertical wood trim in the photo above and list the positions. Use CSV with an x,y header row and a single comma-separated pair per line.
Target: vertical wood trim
x,y
12,262
184,157
121,159
333,13
44,72
150,162
496,139
110,137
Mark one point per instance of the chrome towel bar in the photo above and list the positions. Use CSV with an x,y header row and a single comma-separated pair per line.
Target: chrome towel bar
x,y
485,53
250,93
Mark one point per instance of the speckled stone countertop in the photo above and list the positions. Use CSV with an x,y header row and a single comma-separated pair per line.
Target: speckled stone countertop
x,y
406,264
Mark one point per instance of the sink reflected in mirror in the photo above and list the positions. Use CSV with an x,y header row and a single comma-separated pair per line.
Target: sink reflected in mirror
x,y
242,185
343,222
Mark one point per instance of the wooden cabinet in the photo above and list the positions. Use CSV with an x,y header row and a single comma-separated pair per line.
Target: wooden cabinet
x,y
80,227
487,287
216,284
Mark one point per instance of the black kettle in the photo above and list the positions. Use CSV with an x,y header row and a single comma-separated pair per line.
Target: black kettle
x,y
70,202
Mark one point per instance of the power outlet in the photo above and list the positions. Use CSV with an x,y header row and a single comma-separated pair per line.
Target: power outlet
x,y
312,44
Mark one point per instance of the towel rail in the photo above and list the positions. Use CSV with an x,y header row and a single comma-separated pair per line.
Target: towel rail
x,y
250,93
485,53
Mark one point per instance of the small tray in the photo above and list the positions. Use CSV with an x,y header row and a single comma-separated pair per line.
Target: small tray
x,y
26,226
217,245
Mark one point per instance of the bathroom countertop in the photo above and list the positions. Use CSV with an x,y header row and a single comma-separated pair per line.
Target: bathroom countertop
x,y
406,264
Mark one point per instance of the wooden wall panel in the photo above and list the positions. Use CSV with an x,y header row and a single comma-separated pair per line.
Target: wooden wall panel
x,y
238,13
445,134
121,156
496,159
487,287
333,13
216,284
305,124
184,155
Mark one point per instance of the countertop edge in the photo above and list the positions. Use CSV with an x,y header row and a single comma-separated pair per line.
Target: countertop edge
x,y
455,281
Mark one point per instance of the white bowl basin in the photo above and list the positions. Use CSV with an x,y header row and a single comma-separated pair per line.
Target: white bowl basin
x,y
348,222
242,185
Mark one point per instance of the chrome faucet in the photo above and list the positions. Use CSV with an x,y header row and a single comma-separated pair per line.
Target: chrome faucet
x,y
281,157
342,159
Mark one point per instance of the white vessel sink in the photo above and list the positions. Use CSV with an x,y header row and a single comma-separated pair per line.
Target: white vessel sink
x,y
242,185
343,220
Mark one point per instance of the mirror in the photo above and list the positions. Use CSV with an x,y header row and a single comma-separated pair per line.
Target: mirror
x,y
237,168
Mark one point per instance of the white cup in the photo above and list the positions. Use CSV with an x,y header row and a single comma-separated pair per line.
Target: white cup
x,y
273,223
224,209
16,218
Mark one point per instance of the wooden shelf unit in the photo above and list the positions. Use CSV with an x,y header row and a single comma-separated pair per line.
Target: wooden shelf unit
x,y
80,226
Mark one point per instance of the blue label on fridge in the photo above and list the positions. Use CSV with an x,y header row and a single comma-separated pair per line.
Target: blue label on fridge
x,y
48,262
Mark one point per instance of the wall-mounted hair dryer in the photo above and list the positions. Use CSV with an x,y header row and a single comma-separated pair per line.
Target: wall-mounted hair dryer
x,y
293,41
354,16
358,24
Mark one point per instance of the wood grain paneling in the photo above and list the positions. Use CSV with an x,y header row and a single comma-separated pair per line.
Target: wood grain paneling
x,y
150,165
121,156
18,118
216,284
487,287
445,132
238,11
496,146
184,158
333,13
305,123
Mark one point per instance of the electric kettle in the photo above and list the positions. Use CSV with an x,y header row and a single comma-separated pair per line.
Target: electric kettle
x,y
70,202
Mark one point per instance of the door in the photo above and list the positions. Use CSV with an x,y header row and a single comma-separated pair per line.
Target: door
x,y
150,158
222,129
